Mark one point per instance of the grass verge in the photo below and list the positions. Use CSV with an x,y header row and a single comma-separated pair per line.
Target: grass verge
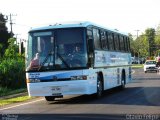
x,y
14,100
7,91
137,66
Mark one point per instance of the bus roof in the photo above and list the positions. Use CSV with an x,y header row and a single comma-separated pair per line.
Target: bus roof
x,y
74,25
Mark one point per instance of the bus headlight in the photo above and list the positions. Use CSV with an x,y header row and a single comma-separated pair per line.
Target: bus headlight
x,y
33,80
80,77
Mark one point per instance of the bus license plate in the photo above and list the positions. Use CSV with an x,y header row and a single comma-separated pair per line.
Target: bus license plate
x,y
56,89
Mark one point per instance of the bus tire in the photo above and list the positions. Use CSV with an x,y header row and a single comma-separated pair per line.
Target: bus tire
x,y
99,87
123,80
49,98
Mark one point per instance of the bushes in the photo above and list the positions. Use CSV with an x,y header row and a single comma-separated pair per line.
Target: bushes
x,y
12,67
12,73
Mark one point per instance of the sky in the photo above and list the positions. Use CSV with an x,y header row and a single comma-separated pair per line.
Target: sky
x,y
125,15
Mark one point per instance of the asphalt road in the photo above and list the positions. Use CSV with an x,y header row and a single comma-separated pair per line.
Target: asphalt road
x,y
140,100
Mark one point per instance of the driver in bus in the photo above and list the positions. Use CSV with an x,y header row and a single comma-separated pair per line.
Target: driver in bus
x,y
77,56
77,50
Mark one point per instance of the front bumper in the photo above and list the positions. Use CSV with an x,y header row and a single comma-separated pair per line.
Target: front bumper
x,y
151,69
61,88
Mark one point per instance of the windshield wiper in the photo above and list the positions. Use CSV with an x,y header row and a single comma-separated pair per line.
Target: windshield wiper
x,y
45,60
48,55
63,60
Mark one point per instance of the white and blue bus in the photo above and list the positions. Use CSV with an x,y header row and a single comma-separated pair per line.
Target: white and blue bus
x,y
54,69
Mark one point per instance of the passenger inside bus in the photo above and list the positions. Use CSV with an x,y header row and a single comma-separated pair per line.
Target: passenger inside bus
x,y
35,62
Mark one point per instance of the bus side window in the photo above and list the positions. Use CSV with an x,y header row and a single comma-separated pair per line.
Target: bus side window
x,y
128,43
111,41
89,34
104,42
121,43
96,37
90,40
116,40
125,44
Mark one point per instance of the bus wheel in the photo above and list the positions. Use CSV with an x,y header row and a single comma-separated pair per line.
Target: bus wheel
x,y
99,87
49,98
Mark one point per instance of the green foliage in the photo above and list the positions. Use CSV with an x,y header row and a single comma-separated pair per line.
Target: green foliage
x,y
1,47
4,34
12,67
12,73
4,91
157,37
2,23
158,52
150,35
12,50
140,46
145,44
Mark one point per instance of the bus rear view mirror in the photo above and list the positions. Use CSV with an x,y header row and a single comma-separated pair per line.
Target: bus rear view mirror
x,y
91,51
90,46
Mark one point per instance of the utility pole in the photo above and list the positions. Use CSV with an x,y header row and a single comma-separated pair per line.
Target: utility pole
x,y
149,46
21,46
137,32
16,37
11,23
138,50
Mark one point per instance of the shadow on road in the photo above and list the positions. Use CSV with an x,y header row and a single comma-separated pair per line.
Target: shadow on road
x,y
146,96
146,78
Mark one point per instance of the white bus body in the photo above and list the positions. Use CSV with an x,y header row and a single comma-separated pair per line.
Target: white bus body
x,y
112,67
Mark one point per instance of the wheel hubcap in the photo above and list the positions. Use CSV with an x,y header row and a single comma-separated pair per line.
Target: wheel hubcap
x,y
99,88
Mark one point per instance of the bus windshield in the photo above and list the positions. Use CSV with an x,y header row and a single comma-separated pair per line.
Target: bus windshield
x,y
56,50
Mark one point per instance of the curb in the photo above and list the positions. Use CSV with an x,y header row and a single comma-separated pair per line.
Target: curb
x,y
14,95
